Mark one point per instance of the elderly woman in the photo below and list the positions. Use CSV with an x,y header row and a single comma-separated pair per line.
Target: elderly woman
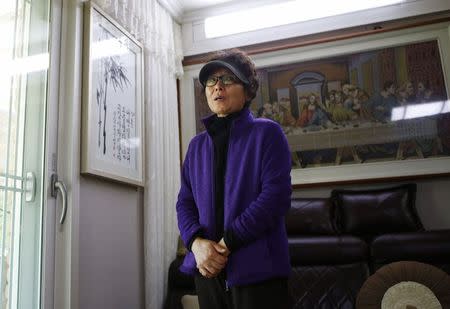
x,y
235,191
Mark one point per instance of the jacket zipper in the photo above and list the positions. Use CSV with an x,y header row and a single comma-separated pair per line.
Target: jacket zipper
x,y
226,173
225,196
213,198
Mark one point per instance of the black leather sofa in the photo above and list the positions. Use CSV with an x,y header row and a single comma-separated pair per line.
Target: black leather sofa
x,y
336,243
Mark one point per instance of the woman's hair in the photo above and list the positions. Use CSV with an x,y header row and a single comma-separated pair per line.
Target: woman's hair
x,y
245,64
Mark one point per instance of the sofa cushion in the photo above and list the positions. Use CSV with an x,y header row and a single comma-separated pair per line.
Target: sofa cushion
x,y
321,250
427,246
373,212
311,216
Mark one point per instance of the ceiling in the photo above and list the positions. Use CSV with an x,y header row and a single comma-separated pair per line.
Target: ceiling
x,y
190,5
182,8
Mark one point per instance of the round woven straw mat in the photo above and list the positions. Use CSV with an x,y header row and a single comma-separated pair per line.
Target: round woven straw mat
x,y
406,285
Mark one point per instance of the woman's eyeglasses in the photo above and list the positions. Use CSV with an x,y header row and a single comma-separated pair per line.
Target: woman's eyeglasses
x,y
224,79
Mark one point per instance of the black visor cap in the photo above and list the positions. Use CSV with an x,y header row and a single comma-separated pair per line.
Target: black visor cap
x,y
211,66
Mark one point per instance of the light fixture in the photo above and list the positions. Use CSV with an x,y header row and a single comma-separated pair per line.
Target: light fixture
x,y
285,13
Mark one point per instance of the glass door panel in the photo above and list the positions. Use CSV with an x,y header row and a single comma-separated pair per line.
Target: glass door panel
x,y
24,64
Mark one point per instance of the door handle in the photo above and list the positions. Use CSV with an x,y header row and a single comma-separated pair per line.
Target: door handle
x,y
55,186
30,187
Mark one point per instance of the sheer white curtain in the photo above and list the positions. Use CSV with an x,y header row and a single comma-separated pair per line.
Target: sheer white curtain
x,y
151,24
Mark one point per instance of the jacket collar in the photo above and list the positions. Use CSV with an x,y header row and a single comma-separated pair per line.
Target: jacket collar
x,y
244,118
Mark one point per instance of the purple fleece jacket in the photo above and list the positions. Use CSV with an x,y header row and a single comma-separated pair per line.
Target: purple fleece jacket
x,y
257,196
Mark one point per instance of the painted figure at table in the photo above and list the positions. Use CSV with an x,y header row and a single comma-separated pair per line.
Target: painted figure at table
x,y
382,103
362,108
349,96
402,96
306,112
312,114
339,113
277,114
424,93
285,108
410,92
346,88
355,101
267,111
330,101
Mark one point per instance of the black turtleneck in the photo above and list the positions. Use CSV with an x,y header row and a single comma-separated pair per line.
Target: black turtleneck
x,y
219,130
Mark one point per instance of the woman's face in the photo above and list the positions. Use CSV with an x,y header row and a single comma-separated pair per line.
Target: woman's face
x,y
225,99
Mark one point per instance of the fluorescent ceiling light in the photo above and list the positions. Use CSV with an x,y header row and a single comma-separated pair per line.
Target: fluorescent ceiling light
x,y
285,13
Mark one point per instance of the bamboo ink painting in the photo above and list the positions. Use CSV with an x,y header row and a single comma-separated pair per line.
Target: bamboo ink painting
x,y
112,74
113,102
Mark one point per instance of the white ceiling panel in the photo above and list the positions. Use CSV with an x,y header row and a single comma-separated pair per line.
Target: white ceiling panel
x,y
190,5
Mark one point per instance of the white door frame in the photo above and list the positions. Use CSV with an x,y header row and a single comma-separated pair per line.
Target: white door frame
x,y
59,289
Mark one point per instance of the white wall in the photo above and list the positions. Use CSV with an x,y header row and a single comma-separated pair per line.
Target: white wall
x,y
111,258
